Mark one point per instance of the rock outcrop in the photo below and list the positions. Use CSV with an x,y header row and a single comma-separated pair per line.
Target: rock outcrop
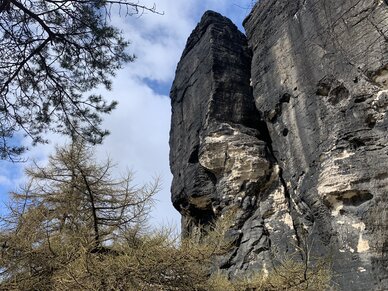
x,y
308,165
215,121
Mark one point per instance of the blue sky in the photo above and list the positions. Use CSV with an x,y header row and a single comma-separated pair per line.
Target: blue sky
x,y
140,125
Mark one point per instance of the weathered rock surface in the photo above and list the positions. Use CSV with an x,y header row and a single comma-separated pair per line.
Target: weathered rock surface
x,y
309,166
319,73
213,117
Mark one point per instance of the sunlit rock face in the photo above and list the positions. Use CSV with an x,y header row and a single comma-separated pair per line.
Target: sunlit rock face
x,y
308,165
319,75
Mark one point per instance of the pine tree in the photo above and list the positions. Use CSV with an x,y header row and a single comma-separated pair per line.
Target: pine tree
x,y
53,53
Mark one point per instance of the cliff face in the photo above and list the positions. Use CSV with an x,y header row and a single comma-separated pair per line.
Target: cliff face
x,y
308,165
215,124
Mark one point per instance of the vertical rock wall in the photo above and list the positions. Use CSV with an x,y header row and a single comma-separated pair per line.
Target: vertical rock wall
x,y
320,76
215,123
308,165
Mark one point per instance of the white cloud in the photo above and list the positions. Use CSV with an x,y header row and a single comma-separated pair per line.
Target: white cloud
x,y
5,181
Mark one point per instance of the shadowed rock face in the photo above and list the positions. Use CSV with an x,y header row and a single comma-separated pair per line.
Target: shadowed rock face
x,y
215,123
309,166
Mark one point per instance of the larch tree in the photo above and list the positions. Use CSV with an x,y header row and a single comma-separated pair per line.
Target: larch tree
x,y
75,227
71,208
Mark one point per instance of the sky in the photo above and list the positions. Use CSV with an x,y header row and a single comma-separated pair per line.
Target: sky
x,y
141,123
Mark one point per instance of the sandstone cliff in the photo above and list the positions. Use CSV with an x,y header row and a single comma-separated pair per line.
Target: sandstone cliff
x,y
290,127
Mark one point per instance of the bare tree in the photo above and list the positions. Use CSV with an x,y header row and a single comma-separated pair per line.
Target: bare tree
x,y
72,205
74,227
52,52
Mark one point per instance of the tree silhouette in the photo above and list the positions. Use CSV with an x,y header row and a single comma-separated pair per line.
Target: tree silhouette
x,y
53,52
